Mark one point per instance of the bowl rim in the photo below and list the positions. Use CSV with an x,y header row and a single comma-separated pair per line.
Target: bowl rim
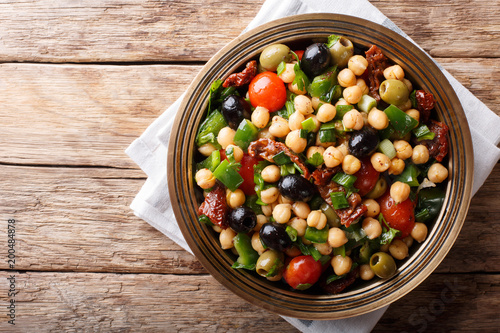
x,y
356,306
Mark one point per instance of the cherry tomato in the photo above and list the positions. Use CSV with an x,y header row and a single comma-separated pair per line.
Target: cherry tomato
x,y
246,171
302,272
299,53
367,177
398,216
268,90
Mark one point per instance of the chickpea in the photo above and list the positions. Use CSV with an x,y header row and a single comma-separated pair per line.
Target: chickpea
x,y
365,272
341,265
326,112
398,249
341,101
295,89
397,166
385,247
204,178
419,232
373,208
399,192
303,104
437,173
405,106
279,127
378,119
298,224
372,227
343,147
408,240
336,237
284,200
408,84
380,162
292,251
288,74
266,210
314,150
323,144
415,114
257,244
269,195
365,118
316,102
323,248
351,165
317,123
352,94
346,78
260,117
226,137
394,72
353,119
420,154
265,134
271,173
316,219
362,85
235,199
357,64
207,149
237,152
295,121
301,209
403,149
226,238
282,213
295,142
332,157
217,229
261,220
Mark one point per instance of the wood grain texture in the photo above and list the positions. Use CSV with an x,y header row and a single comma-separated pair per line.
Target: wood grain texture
x,y
78,219
139,31
89,114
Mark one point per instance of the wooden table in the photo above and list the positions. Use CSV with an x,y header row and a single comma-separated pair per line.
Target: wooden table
x,y
79,81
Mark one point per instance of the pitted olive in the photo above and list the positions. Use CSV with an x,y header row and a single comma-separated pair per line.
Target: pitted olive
x,y
383,265
296,188
394,92
274,236
233,109
363,142
272,55
242,219
315,60
341,52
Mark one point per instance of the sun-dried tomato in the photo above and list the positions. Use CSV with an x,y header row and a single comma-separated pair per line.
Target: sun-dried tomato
x,y
267,148
374,73
215,206
339,285
324,175
438,147
425,103
347,215
242,78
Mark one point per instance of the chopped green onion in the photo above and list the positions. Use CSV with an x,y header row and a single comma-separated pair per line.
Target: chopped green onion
x,y
387,148
204,219
339,251
292,233
314,252
422,132
423,215
367,103
298,168
211,162
301,80
281,158
338,200
246,133
401,122
228,175
409,175
328,126
344,179
309,124
413,99
290,108
316,236
303,134
334,277
342,110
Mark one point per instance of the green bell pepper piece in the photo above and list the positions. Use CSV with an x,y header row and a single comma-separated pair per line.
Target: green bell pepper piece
x,y
247,255
333,95
341,111
316,236
323,83
211,162
228,175
246,133
431,199
409,175
401,122
210,128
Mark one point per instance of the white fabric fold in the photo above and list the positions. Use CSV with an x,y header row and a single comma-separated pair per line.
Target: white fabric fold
x,y
149,151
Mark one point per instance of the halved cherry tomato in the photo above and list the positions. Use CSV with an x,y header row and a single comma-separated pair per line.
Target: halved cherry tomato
x,y
267,90
302,272
299,53
367,177
246,171
399,216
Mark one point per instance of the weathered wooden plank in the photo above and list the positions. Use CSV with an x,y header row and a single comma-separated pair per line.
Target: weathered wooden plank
x,y
88,114
69,302
180,303
111,30
78,219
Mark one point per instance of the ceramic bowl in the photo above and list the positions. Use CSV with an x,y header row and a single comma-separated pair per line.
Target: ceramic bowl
x,y
364,297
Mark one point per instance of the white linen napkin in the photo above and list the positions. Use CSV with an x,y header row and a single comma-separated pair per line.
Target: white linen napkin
x,y
149,151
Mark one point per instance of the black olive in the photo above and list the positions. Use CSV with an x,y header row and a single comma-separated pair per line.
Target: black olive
x,y
274,236
363,142
315,59
296,188
242,219
234,109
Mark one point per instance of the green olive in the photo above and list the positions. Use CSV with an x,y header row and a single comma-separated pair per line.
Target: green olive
x,y
269,263
341,52
272,55
394,92
379,189
383,265
331,217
